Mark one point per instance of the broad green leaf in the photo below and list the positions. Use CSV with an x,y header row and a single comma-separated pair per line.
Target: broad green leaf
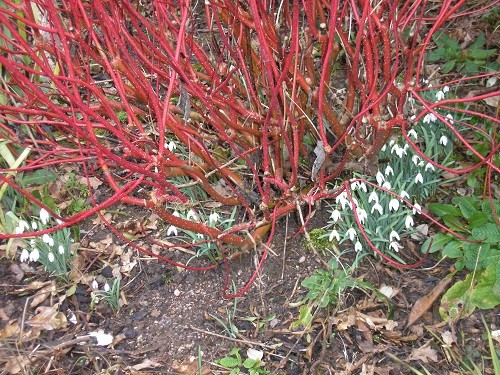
x,y
441,209
454,223
229,362
305,318
479,42
436,242
476,255
38,177
453,249
448,66
481,54
478,219
443,40
483,295
488,232
455,302
468,205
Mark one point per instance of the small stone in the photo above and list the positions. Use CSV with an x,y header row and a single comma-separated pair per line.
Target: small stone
x,y
302,259
177,292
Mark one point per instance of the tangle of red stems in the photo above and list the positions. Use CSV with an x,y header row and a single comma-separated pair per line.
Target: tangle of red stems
x,y
259,76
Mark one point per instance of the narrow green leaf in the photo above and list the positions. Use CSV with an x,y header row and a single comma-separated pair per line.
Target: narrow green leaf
x,y
454,223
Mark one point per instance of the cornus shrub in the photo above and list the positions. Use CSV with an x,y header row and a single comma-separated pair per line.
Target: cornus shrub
x,y
256,104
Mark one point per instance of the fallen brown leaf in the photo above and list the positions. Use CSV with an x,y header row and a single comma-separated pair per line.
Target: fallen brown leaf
x,y
424,354
425,303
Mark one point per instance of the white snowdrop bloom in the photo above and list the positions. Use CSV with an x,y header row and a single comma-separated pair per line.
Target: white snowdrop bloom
x,y
393,235
380,178
389,171
351,233
176,214
362,187
342,199
200,235
335,215
34,225
171,146
377,207
419,178
428,118
362,215
103,339
393,204
34,255
387,185
59,222
214,217
23,224
373,197
429,166
394,246
334,234
391,142
395,148
439,95
384,147
400,151
48,240
18,230
106,287
446,89
94,285
255,354
50,256
412,133
172,230
404,195
25,255
354,185
416,208
415,159
358,247
443,140
409,221
44,216
449,116
191,215
61,249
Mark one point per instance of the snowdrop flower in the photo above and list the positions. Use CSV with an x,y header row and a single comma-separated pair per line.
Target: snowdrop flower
x,y
419,178
377,207
59,222
393,204
373,197
34,255
95,286
391,142
362,215
50,256
171,146
342,198
450,118
393,235
358,247
214,217
106,287
335,215
380,178
362,187
428,118
48,240
443,140
254,354
25,255
404,195
191,215
200,235
394,246
384,147
446,89
172,230
439,95
412,133
415,159
351,233
34,225
409,221
354,185
387,185
334,234
389,171
429,166
176,214
60,249
416,209
23,225
44,216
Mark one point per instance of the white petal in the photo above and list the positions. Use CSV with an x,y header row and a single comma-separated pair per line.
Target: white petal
x,y
409,221
95,285
25,255
351,232
404,195
419,178
380,178
335,215
393,204
50,256
443,140
44,216
389,171
334,234
61,249
373,197
394,235
255,354
387,185
34,255
103,339
377,207
172,230
362,186
413,134
106,287
416,209
357,246
394,246
429,166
